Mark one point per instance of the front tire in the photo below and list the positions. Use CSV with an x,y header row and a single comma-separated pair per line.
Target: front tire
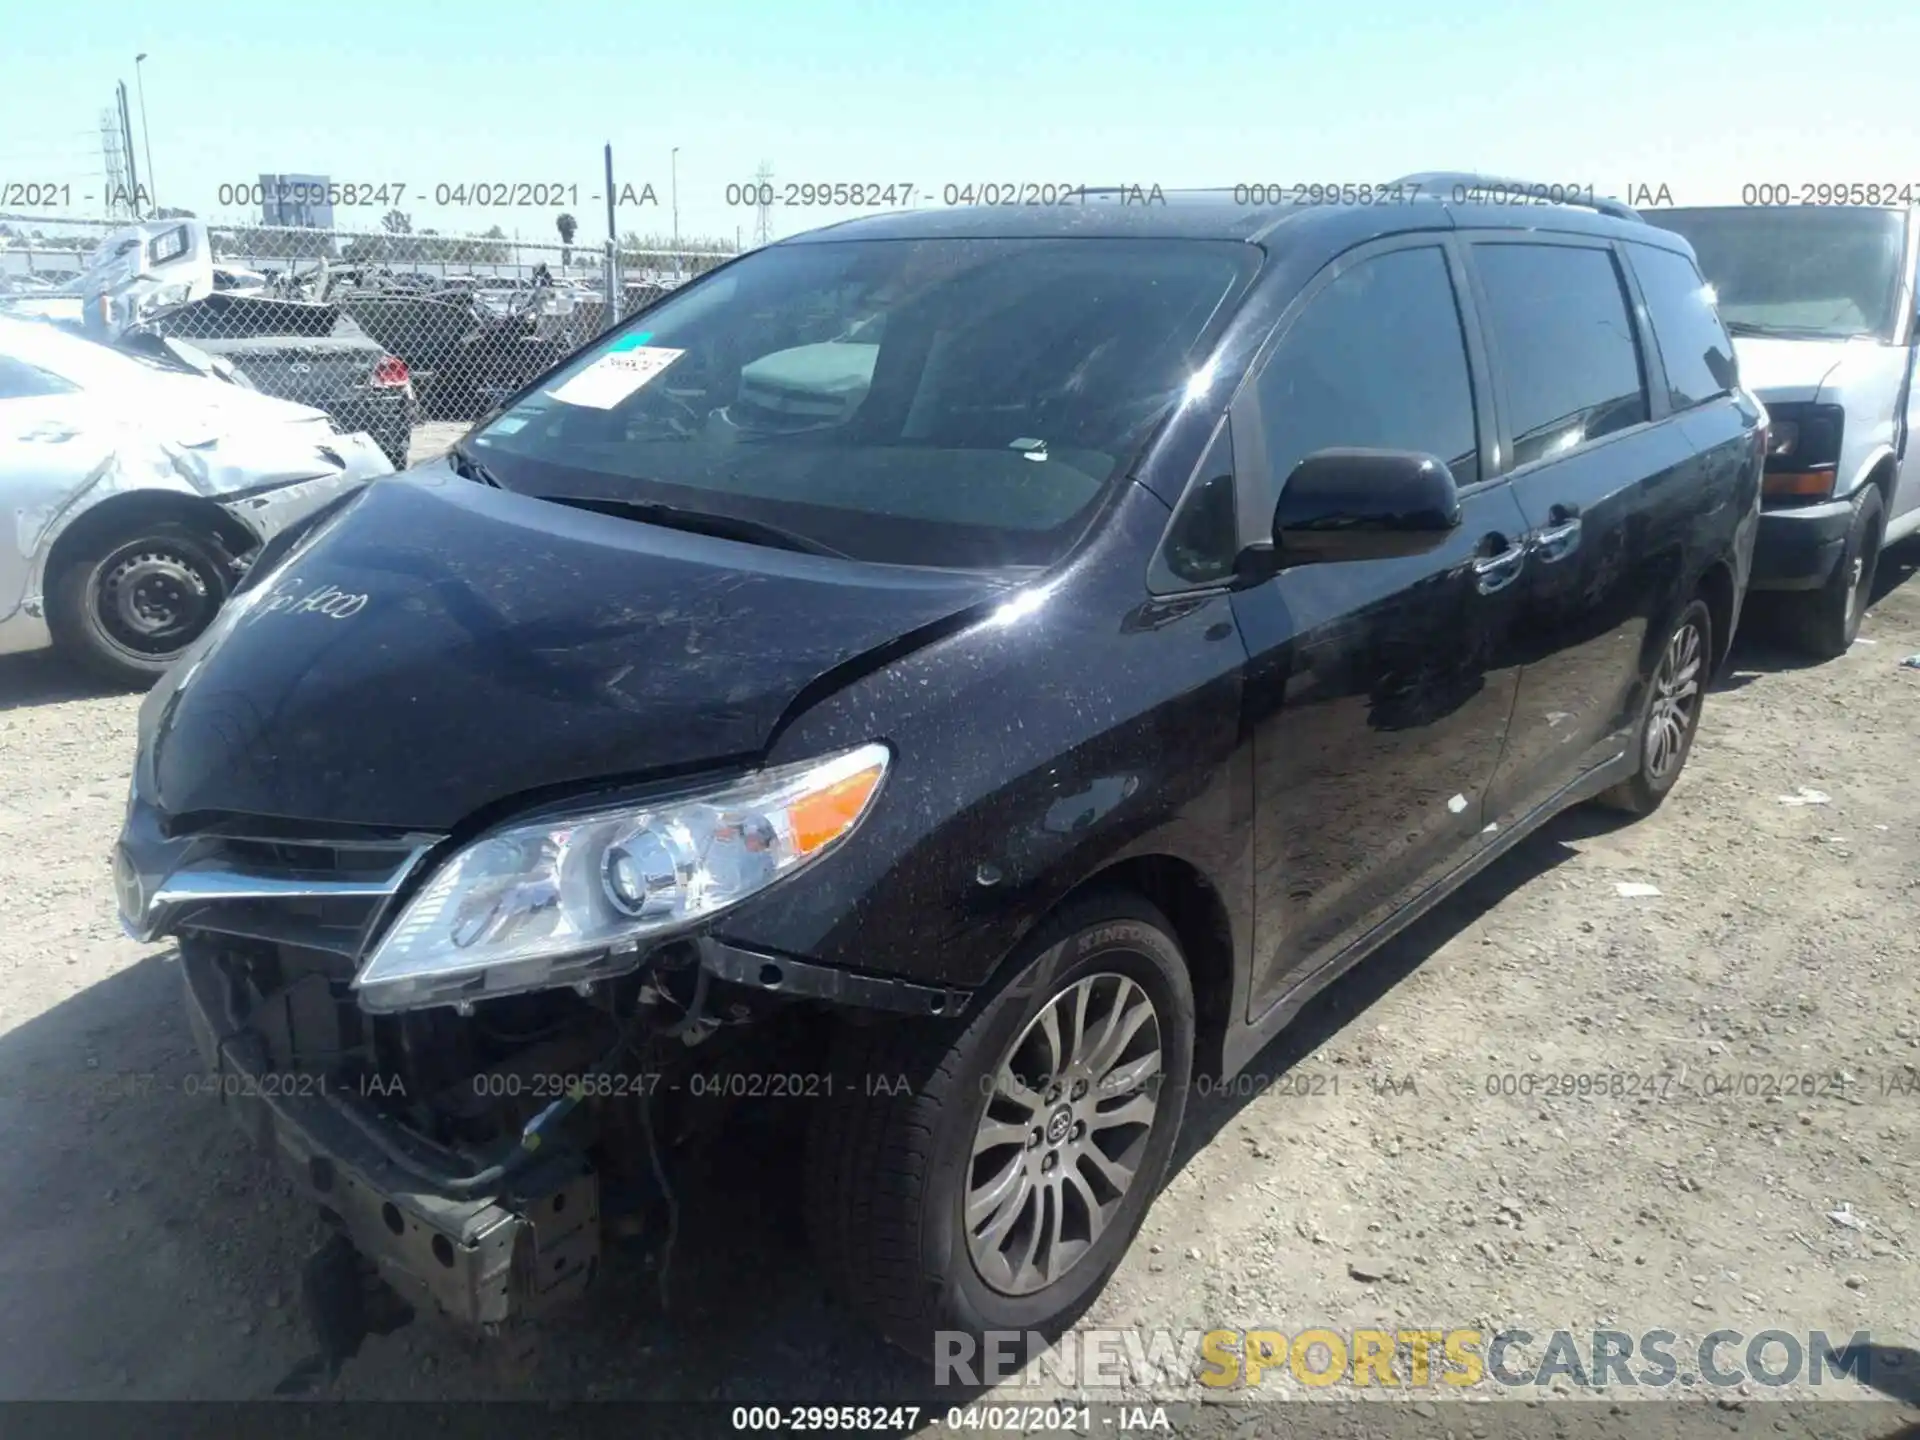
x,y
135,598
1670,715
1823,623
990,1175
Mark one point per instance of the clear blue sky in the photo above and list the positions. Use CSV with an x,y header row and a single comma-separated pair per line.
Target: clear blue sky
x,y
1700,97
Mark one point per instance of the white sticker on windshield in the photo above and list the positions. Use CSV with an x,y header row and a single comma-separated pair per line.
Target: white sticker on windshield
x,y
613,377
508,425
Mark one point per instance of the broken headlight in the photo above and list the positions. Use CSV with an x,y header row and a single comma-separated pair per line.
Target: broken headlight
x,y
573,899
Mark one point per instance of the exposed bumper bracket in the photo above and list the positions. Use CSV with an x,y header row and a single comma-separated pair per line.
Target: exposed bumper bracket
x,y
783,975
482,1261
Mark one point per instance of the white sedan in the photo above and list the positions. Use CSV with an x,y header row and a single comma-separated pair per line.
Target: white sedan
x,y
133,494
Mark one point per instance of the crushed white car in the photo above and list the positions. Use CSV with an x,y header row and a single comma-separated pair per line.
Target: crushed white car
x,y
134,493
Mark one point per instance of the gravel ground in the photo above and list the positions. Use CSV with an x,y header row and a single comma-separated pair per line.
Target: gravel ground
x,y
1371,1178
434,437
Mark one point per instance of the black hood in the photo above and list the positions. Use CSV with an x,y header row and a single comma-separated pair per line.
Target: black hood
x,y
442,645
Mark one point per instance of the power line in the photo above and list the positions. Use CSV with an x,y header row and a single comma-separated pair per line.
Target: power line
x,y
763,217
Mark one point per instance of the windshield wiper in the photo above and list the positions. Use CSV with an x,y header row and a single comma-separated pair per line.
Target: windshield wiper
x,y
1788,332
468,468
702,522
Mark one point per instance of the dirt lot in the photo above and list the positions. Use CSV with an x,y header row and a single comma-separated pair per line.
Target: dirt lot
x,y
1374,1180
432,437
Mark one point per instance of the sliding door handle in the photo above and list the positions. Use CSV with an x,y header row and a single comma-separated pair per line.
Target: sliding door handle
x,y
1556,542
1501,568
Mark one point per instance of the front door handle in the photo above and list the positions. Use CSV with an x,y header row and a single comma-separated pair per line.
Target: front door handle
x,y
1559,539
1501,568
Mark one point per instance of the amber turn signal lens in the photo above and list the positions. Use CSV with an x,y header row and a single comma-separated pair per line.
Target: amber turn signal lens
x,y
826,815
1798,484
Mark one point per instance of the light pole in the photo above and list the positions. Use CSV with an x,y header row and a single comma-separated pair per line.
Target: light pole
x,y
674,161
146,135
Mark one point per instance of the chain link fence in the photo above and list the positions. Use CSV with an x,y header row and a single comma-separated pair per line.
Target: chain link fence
x,y
409,337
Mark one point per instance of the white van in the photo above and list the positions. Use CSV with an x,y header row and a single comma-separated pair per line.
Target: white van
x,y
1821,303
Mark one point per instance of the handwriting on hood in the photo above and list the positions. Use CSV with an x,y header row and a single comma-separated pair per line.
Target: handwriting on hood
x,y
329,600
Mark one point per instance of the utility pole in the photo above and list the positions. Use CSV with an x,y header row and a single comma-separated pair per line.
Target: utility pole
x,y
674,160
126,135
146,131
612,282
612,232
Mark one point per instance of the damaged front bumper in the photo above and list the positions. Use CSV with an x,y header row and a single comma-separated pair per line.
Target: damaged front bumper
x,y
482,1260
268,509
266,513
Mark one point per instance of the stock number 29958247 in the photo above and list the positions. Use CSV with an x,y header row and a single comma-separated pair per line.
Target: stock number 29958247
x,y
609,1085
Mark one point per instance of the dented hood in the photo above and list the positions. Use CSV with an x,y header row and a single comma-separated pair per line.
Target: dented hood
x,y
440,645
191,410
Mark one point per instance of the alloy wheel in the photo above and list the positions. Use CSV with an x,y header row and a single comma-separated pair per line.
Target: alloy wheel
x,y
1065,1127
1676,701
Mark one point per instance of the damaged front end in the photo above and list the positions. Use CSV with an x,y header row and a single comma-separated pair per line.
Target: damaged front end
x,y
475,1129
453,814
393,1127
415,1134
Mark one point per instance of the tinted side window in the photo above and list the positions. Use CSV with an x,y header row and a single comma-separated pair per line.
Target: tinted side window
x,y
1204,537
1564,343
1693,343
1376,359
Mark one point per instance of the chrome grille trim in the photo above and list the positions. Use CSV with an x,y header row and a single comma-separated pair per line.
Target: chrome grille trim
x,y
211,880
184,894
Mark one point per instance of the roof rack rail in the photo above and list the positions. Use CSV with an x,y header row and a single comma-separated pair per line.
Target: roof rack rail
x,y
1434,179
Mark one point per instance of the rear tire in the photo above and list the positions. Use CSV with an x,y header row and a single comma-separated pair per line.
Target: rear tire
x,y
1823,623
134,599
1670,715
919,1129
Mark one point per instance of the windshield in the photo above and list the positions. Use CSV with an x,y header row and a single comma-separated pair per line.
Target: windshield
x,y
932,402
1814,271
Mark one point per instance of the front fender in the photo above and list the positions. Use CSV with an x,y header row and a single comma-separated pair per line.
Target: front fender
x,y
45,508
1034,749
1880,453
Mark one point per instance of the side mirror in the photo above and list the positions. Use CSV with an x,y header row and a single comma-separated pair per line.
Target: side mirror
x,y
1342,504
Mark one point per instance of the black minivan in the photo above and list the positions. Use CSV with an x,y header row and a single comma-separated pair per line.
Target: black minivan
x,y
962,675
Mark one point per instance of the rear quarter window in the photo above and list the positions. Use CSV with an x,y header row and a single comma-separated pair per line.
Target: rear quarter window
x,y
1694,346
